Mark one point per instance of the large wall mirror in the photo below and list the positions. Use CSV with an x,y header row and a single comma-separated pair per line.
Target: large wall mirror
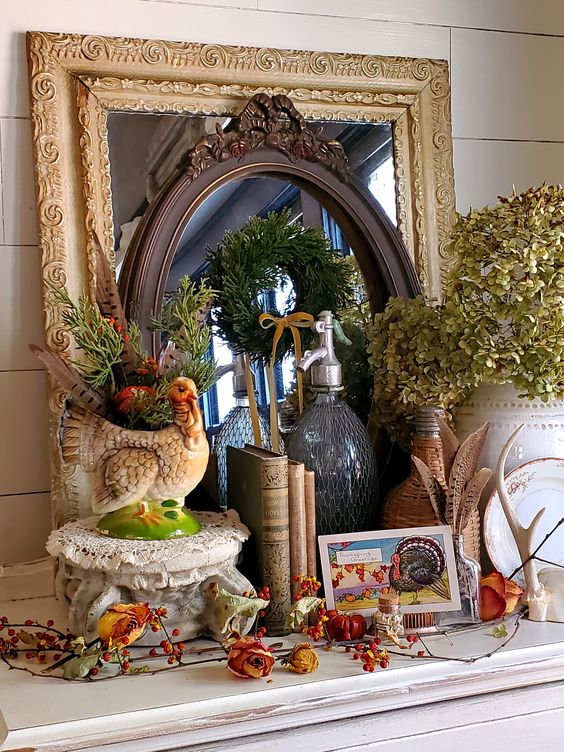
x,y
112,118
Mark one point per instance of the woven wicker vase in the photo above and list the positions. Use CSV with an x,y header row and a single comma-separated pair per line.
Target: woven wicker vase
x,y
408,504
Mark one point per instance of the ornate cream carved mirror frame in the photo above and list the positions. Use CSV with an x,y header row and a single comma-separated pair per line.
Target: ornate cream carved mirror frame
x,y
76,80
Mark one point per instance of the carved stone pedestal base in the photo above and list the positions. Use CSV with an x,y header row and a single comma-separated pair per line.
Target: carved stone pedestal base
x,y
95,572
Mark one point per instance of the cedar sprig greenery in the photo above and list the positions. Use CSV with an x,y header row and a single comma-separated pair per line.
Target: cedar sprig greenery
x,y
95,335
183,322
264,255
102,341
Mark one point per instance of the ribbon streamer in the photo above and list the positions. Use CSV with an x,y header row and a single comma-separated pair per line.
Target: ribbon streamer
x,y
294,322
253,409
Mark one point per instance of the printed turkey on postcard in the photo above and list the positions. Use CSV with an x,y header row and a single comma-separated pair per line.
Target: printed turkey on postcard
x,y
416,563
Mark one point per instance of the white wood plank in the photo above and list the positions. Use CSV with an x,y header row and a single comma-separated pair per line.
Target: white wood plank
x,y
543,17
507,86
534,731
20,307
25,523
412,729
18,191
160,20
484,170
33,579
24,463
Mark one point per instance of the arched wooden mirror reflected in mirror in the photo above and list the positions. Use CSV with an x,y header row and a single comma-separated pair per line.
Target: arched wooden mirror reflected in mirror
x,y
268,140
267,159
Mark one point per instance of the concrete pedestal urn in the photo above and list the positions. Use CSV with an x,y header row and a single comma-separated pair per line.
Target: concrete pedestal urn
x,y
96,572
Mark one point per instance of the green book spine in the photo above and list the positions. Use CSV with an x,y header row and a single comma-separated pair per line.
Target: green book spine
x,y
258,489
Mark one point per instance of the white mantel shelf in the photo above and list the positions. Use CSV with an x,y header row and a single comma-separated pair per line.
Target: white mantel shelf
x,y
514,697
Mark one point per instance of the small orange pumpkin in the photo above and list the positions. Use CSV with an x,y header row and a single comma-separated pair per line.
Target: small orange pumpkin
x,y
129,398
344,627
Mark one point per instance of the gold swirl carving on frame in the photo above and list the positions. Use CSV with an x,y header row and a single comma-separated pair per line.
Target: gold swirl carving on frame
x,y
71,147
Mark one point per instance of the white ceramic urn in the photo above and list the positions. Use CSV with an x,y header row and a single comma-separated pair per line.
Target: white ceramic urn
x,y
543,435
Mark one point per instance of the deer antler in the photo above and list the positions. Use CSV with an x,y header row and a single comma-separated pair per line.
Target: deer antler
x,y
534,589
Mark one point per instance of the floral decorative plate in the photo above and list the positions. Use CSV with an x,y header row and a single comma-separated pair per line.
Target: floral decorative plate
x,y
536,484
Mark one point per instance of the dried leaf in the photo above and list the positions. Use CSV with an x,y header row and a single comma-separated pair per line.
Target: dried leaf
x,y
300,609
234,609
78,645
27,638
79,667
500,631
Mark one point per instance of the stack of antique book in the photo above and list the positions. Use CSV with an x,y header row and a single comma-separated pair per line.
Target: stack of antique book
x,y
275,498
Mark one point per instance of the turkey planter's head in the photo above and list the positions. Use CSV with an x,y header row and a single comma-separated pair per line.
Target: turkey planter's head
x,y
183,396
182,392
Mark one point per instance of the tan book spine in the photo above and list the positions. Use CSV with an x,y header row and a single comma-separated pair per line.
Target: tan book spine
x,y
297,515
311,538
276,542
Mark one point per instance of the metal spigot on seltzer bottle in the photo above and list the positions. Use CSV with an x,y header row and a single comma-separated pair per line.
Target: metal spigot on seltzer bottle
x,y
330,440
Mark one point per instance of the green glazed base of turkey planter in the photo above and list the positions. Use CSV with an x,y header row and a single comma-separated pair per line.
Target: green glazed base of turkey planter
x,y
149,520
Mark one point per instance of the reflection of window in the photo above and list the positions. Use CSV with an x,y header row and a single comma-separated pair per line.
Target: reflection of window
x,y
219,400
382,186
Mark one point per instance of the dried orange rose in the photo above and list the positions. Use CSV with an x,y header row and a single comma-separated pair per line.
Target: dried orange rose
x,y
498,596
303,659
249,659
123,623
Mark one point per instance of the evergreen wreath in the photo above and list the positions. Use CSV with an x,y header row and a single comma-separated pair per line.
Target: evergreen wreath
x,y
256,259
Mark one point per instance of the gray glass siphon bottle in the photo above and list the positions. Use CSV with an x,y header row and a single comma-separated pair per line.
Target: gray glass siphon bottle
x,y
330,440
236,429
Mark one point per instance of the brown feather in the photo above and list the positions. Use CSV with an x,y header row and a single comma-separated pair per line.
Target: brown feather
x,y
433,488
70,379
440,589
463,469
450,444
109,303
471,497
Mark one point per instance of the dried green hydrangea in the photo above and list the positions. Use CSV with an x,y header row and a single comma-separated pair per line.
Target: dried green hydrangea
x,y
502,317
416,361
504,295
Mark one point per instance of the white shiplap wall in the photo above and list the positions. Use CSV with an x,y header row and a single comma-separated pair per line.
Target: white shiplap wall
x,y
507,74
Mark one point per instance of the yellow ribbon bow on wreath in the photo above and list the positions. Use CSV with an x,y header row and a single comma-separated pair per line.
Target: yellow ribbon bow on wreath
x,y
294,322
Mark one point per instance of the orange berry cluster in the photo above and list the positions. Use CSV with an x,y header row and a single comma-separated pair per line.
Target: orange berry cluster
x,y
308,587
263,594
372,655
172,650
116,326
44,646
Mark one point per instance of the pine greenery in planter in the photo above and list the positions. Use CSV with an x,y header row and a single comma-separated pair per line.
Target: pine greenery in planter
x,y
502,316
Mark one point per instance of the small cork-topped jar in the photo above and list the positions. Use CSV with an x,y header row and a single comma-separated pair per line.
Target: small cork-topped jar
x,y
387,619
